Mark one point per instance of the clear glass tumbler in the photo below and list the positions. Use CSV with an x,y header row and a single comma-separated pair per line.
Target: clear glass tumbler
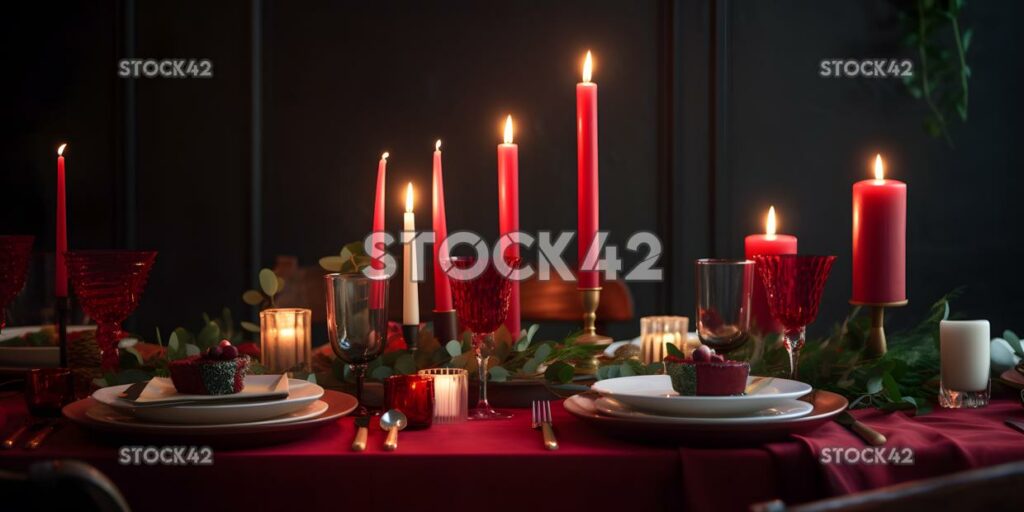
x,y
724,288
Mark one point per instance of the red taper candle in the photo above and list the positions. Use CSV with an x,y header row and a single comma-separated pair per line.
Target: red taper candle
x,y
879,239
442,288
587,178
377,252
61,269
508,214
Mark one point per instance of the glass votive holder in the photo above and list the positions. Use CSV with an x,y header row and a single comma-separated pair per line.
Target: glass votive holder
x,y
285,339
658,331
451,394
47,390
413,395
964,347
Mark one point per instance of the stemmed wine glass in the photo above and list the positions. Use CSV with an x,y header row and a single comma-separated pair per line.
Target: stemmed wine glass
x,y
481,304
14,253
357,323
724,289
793,283
108,285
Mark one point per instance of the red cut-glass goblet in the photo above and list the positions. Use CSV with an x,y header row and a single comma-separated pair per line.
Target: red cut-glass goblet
x,y
108,285
793,284
14,253
481,304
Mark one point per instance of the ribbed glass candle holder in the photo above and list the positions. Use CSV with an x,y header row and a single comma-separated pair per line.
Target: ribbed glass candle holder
x,y
658,331
285,339
451,394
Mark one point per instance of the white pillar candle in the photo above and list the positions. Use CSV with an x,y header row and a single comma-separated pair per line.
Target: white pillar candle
x,y
964,346
451,394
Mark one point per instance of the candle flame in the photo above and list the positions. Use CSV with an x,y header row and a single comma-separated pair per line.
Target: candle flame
x,y
588,67
385,155
437,145
60,150
879,168
769,223
508,129
408,198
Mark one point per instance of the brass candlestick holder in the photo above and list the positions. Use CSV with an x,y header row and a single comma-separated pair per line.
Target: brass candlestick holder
x,y
591,298
876,336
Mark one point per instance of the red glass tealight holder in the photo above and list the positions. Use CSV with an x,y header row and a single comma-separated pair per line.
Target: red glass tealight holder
x,y
47,390
413,395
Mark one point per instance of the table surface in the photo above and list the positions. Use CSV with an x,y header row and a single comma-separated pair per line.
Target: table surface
x,y
504,464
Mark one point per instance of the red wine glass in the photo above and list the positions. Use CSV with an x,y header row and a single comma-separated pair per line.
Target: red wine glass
x,y
793,284
481,304
14,253
108,285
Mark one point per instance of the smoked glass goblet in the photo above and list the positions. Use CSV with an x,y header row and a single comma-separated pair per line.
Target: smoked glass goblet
x,y
724,289
357,323
14,254
481,304
108,285
793,284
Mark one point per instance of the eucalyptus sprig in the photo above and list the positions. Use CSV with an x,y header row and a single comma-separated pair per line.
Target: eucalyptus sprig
x,y
351,259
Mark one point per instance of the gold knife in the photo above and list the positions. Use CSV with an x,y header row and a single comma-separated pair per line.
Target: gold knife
x,y
41,436
13,438
868,434
362,430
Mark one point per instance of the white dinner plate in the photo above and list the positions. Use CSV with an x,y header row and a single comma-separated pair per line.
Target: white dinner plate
x,y
32,357
106,414
654,394
787,410
300,395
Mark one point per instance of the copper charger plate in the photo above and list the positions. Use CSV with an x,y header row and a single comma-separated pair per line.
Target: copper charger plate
x,y
338,405
826,406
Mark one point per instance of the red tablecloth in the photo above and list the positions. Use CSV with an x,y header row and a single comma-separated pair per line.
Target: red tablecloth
x,y
502,466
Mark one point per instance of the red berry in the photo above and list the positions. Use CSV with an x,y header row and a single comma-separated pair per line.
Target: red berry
x,y
225,343
214,353
229,352
702,353
717,358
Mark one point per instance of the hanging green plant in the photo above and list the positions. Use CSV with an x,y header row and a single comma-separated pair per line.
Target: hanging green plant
x,y
932,28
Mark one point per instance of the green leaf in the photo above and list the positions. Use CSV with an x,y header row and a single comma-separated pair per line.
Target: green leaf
x,y
381,373
673,350
559,372
252,297
249,326
405,364
332,263
874,384
191,350
311,378
1014,341
497,374
209,336
268,282
965,40
892,388
454,348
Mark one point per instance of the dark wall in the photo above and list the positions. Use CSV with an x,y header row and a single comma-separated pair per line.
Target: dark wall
x,y
709,111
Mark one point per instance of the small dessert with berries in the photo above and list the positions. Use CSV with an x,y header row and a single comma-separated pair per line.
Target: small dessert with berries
x,y
706,373
219,370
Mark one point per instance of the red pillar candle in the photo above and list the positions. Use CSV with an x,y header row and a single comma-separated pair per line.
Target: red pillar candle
x,y
508,214
879,239
586,167
61,269
377,251
442,288
768,243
